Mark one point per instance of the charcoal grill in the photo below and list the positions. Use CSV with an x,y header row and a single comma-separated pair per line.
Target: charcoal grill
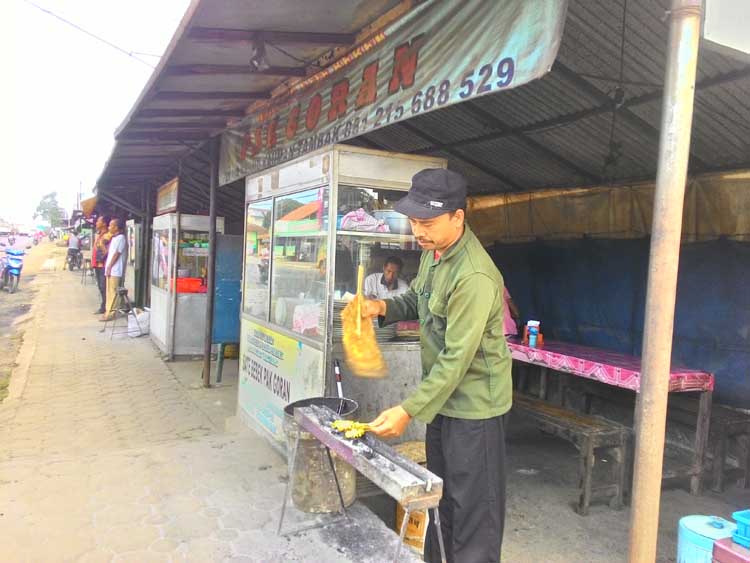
x,y
410,484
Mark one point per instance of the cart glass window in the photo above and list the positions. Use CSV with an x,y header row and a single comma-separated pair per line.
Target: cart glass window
x,y
192,262
400,252
298,274
257,258
370,210
371,233
160,261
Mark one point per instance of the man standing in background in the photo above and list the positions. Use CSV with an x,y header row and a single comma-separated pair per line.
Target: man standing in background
x,y
99,259
114,266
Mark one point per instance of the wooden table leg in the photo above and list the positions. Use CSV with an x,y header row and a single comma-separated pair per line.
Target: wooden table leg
x,y
701,440
586,470
563,384
745,481
543,383
522,377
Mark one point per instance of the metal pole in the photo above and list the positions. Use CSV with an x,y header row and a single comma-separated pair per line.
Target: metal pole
x,y
674,145
211,270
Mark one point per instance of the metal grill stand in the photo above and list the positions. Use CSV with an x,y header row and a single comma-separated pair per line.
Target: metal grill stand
x,y
408,483
292,463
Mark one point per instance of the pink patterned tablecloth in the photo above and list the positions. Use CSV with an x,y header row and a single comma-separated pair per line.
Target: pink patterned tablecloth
x,y
612,368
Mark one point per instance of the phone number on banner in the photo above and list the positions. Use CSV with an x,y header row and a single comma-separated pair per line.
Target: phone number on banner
x,y
476,82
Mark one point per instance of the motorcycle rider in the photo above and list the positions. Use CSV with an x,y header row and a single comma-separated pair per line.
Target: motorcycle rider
x,y
74,246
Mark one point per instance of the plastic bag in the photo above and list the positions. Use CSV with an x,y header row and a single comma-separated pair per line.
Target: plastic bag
x,y
140,328
360,220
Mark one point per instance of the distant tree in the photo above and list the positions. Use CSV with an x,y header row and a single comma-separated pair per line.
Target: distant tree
x,y
49,210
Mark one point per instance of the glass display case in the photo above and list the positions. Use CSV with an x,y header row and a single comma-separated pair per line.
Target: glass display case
x,y
309,225
179,259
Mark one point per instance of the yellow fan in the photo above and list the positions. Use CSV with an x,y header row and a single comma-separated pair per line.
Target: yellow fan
x,y
361,349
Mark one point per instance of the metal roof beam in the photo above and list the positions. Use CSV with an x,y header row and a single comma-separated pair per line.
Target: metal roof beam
x,y
214,69
197,96
127,168
475,163
165,135
220,35
481,114
569,118
203,125
641,124
192,112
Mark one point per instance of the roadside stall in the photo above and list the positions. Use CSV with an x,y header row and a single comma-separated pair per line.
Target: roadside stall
x,y
179,258
309,225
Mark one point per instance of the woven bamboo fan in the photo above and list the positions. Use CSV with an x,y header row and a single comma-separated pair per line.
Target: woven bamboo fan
x,y
361,349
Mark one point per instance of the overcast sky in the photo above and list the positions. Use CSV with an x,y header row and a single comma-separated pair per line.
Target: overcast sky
x,y
64,93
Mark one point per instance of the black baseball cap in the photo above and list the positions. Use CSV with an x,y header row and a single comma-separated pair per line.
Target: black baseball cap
x,y
434,191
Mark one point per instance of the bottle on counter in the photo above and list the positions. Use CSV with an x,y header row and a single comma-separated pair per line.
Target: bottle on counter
x,y
533,334
536,325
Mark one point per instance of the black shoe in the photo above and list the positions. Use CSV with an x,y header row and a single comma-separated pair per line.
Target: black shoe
x,y
99,312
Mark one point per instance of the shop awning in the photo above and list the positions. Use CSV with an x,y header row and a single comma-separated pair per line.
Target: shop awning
x,y
205,81
586,123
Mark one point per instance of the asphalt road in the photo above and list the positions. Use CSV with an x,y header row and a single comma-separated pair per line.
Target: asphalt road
x,y
14,309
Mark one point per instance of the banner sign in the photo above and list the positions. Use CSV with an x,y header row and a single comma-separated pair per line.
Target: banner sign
x,y
440,53
275,370
166,196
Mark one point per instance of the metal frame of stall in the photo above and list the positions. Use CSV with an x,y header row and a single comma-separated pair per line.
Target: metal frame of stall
x,y
328,167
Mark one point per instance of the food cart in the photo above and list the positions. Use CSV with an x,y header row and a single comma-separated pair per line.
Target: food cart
x,y
309,224
179,258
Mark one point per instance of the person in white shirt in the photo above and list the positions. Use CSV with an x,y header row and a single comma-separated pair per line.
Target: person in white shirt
x,y
387,284
115,266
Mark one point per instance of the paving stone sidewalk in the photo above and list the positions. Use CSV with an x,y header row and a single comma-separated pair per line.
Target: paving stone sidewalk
x,y
104,456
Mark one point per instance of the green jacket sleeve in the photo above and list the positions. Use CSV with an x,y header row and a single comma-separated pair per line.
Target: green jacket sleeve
x,y
401,308
467,316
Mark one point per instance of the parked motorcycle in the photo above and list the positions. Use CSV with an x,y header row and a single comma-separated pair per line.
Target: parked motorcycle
x,y
10,269
74,259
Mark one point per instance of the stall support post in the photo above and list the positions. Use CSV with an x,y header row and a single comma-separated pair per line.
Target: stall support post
x,y
211,270
674,145
146,252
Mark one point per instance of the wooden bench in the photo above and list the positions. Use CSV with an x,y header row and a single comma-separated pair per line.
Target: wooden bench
x,y
587,433
726,424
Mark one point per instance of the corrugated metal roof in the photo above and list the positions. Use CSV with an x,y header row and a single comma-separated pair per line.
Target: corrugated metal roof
x,y
555,131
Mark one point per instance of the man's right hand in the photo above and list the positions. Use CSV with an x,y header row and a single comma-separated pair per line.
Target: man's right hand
x,y
373,308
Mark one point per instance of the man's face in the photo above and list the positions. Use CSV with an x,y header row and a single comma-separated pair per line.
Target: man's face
x,y
114,228
390,273
100,226
439,232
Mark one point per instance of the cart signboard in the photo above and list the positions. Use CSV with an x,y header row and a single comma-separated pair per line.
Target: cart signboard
x,y
275,370
166,197
438,54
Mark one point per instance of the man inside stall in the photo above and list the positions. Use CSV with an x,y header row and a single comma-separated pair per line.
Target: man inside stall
x,y
388,284
466,368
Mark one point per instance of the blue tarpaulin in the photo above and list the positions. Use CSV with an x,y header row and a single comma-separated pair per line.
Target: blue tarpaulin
x,y
592,292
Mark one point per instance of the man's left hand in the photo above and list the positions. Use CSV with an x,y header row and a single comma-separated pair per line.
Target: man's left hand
x,y
390,423
108,272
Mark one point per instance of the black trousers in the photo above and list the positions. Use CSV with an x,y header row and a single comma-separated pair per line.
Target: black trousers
x,y
469,455
101,282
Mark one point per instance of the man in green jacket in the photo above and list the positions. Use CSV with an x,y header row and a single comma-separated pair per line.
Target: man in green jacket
x,y
465,390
